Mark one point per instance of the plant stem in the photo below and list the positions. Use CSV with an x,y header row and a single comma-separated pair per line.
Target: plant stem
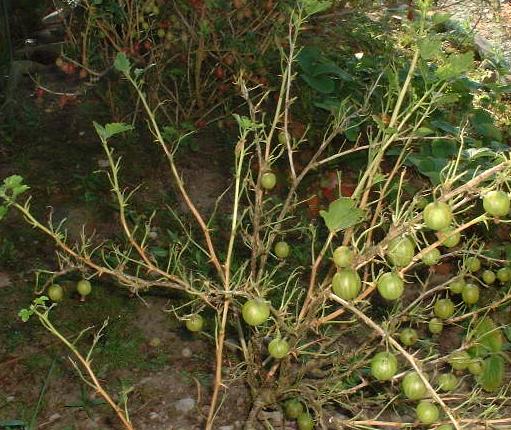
x,y
410,358
86,364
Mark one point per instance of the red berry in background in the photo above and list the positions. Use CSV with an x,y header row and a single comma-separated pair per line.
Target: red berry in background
x,y
223,88
347,189
164,24
63,100
329,194
263,81
200,123
229,59
39,92
219,72
314,205
148,45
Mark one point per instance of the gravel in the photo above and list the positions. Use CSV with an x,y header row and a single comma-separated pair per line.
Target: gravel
x,y
491,25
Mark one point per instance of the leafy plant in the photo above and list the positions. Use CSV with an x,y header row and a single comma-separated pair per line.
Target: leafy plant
x,y
286,314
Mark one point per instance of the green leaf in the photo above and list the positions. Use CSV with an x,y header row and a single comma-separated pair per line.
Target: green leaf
x,y
440,18
25,314
444,148
307,59
445,126
323,84
159,252
456,65
3,212
430,48
493,373
447,99
13,181
116,128
15,185
111,129
245,123
122,63
331,69
315,6
352,133
488,131
341,214
507,332
424,131
487,337
40,300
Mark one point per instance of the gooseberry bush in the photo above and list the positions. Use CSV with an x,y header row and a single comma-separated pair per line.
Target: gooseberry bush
x,y
363,326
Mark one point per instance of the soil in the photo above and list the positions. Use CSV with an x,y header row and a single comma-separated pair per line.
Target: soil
x,y
144,350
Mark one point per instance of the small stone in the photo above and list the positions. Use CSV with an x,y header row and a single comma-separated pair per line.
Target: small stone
x,y
10,399
54,417
185,405
153,415
103,163
226,428
186,352
155,342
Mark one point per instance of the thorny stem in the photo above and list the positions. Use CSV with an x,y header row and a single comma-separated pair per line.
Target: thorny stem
x,y
227,267
372,252
177,178
439,242
413,362
314,271
133,281
86,364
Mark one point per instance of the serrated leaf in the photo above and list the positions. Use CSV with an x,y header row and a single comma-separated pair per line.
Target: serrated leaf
x,y
487,337
492,377
342,214
456,65
122,63
25,314
430,48
114,128
20,189
111,129
40,300
245,123
13,181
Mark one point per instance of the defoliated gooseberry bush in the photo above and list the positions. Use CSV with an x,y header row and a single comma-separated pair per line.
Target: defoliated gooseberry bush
x,y
357,328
